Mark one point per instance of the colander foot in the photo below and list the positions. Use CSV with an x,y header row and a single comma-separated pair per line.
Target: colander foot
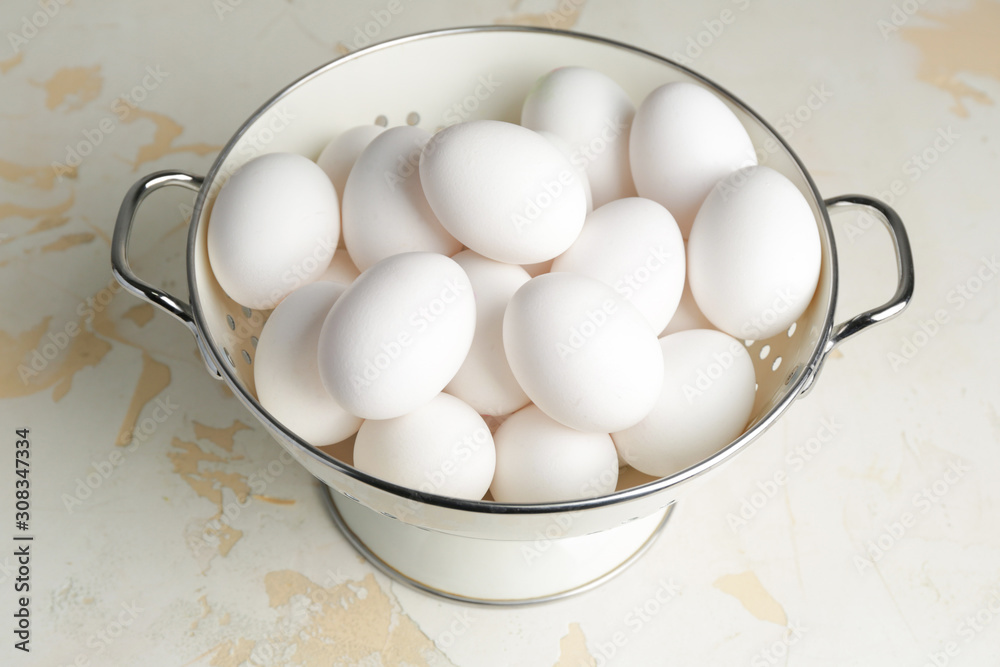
x,y
491,572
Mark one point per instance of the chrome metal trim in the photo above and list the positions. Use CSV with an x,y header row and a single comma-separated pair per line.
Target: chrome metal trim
x,y
122,271
896,304
141,189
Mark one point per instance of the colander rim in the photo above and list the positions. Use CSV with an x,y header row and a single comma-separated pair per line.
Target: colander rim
x,y
805,372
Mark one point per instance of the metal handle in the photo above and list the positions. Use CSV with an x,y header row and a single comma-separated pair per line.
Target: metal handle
x,y
123,230
123,273
904,270
904,274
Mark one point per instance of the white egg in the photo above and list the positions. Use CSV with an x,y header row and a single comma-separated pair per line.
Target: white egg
x,y
539,460
633,245
503,191
385,211
687,316
339,156
582,353
708,394
397,335
485,380
567,152
592,114
442,447
341,269
684,139
273,228
286,373
754,254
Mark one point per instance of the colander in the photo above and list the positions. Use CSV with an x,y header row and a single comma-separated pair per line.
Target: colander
x,y
481,551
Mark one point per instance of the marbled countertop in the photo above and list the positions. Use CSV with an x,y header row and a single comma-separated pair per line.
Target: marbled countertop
x,y
881,547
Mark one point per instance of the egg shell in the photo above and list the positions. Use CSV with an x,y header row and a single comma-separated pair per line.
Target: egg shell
x,y
539,460
632,245
582,353
286,373
339,156
684,139
592,114
442,447
385,211
567,152
485,380
754,254
397,335
503,191
341,269
708,394
687,316
274,227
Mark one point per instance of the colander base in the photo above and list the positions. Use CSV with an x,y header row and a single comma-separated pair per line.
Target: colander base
x,y
492,572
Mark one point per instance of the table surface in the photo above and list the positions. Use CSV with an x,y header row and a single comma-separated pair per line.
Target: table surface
x,y
881,548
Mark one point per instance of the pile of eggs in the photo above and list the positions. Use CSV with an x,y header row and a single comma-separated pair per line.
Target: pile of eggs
x,y
580,281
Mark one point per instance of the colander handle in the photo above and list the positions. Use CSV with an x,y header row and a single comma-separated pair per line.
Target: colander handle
x,y
180,309
904,270
904,273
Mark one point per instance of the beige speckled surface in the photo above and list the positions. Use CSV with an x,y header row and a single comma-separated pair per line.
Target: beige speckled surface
x,y
170,530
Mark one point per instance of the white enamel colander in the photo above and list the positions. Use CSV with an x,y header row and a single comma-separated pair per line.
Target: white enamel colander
x,y
483,551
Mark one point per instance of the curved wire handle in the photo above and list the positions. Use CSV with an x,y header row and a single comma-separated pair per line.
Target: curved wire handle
x,y
904,273
178,308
